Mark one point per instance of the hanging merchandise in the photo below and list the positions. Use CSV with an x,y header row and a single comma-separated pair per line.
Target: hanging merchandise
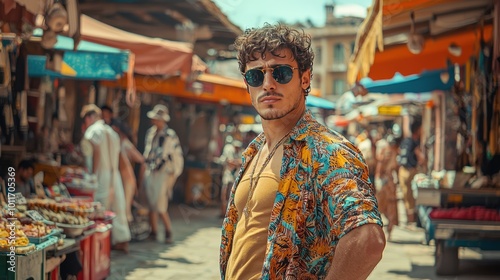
x,y
9,120
5,71
23,111
61,107
494,140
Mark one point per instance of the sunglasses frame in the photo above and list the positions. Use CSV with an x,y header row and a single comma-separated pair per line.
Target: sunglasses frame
x,y
264,70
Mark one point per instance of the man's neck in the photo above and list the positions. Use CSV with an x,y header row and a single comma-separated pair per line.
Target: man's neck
x,y
274,130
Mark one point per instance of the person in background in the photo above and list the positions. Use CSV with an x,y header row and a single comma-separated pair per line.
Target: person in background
x,y
107,114
231,160
24,178
386,181
164,164
302,206
365,145
103,158
410,157
129,155
346,101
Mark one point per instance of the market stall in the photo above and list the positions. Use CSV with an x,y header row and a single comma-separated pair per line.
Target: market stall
x,y
38,234
457,198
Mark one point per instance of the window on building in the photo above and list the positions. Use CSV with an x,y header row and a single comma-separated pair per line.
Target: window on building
x,y
318,55
316,81
338,54
338,87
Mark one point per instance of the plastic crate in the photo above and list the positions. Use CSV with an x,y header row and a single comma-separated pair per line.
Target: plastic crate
x,y
100,265
85,251
39,240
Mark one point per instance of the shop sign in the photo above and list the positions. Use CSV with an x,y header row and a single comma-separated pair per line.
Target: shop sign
x,y
394,110
33,214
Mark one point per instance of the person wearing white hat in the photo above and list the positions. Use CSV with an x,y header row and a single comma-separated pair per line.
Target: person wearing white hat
x,y
102,154
164,164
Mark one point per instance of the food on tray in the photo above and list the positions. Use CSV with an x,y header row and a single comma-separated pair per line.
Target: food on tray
x,y
4,233
63,217
22,241
72,212
18,242
37,229
25,249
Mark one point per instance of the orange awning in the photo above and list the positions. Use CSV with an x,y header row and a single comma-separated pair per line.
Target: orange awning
x,y
441,22
434,55
206,88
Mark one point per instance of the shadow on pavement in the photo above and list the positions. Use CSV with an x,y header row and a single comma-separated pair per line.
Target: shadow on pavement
x,y
469,270
195,229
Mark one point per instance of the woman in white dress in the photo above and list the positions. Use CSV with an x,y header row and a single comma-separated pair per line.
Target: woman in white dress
x,y
129,155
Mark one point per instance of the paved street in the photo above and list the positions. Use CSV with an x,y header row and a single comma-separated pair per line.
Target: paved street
x,y
194,255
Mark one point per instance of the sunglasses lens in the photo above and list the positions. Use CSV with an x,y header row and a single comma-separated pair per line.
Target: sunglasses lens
x,y
254,77
283,74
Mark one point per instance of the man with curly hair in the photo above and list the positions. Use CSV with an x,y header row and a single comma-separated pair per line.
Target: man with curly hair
x,y
302,206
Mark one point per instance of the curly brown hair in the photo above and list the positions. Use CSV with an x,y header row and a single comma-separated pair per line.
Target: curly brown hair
x,y
257,42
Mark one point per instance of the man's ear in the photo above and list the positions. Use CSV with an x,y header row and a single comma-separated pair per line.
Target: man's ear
x,y
306,80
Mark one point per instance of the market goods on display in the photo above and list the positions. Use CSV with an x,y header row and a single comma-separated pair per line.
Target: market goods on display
x,y
14,237
71,213
477,213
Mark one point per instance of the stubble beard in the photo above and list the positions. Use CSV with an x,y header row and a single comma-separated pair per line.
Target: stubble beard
x,y
276,114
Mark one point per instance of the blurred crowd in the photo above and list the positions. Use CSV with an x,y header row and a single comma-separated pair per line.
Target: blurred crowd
x,y
393,161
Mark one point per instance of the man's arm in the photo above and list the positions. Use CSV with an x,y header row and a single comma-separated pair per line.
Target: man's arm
x,y
357,253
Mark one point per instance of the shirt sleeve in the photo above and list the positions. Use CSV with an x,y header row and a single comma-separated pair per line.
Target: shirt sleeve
x,y
348,195
95,136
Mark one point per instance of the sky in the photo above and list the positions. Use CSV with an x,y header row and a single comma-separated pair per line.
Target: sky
x,y
253,13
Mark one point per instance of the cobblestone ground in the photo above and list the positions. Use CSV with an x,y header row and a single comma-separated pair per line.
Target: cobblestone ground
x,y
194,255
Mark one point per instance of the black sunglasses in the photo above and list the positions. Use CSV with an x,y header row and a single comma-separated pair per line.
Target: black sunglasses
x,y
281,74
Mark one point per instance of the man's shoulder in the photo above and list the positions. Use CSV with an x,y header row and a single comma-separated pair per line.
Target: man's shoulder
x,y
171,132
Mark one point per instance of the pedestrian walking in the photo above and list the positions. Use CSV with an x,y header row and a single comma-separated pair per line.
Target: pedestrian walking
x,y
103,160
386,182
302,206
410,157
164,164
129,155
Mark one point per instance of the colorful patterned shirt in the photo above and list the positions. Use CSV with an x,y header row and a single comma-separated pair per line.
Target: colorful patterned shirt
x,y
324,193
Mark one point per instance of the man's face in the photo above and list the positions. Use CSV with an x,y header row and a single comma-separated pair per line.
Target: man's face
x,y
158,123
26,174
107,116
273,100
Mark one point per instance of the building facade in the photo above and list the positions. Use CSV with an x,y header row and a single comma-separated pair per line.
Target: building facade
x,y
333,44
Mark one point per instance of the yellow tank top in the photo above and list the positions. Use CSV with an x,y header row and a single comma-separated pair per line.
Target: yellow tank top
x,y
250,238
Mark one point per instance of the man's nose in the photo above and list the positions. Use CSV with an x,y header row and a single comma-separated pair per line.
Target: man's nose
x,y
269,83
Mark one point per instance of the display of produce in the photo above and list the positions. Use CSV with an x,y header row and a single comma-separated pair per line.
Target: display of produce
x,y
476,213
12,235
71,212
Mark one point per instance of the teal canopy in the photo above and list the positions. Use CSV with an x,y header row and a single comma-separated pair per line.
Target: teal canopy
x,y
426,81
318,102
90,61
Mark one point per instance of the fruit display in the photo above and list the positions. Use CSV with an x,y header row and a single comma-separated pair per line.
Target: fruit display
x,y
476,213
64,212
37,229
12,235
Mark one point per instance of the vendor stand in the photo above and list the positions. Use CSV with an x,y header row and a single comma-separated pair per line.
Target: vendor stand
x,y
458,204
49,229
458,217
